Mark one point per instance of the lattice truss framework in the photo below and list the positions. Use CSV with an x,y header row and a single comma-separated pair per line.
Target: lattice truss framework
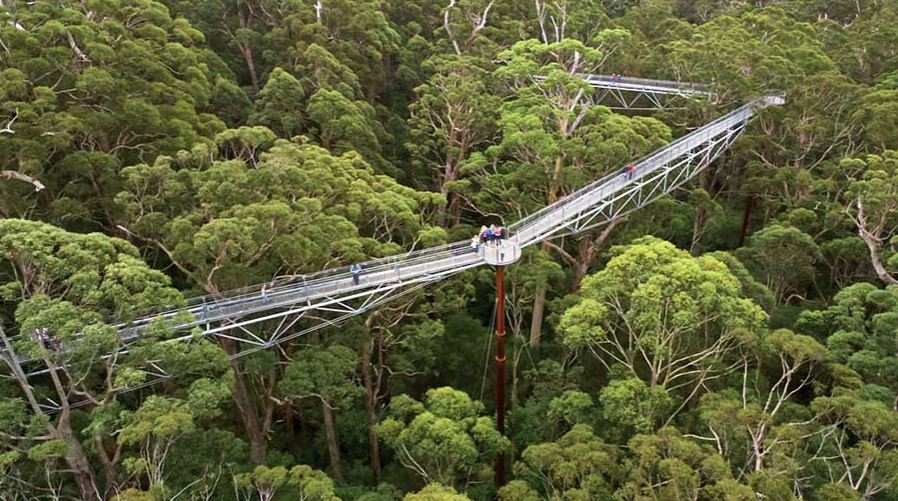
x,y
289,308
639,94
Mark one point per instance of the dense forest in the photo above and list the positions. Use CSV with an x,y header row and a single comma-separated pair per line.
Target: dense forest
x,y
736,339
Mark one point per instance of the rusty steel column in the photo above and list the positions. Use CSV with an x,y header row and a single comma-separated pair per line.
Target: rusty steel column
x,y
500,369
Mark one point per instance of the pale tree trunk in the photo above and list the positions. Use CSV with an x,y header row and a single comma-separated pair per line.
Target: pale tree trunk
x,y
698,228
247,52
757,449
371,390
539,307
76,459
539,297
873,240
874,245
256,427
11,174
333,446
79,466
457,141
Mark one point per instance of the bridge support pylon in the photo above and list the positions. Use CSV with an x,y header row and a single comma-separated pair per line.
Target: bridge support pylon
x,y
500,368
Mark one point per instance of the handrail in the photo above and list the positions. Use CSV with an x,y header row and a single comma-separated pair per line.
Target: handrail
x,y
308,286
419,264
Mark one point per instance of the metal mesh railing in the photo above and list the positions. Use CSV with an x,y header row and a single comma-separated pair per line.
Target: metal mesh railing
x,y
293,290
648,85
422,265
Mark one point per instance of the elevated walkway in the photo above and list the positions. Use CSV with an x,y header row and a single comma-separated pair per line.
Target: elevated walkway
x,y
285,301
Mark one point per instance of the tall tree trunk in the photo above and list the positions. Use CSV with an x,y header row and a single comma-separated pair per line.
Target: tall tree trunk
x,y
450,174
371,410
288,411
246,51
258,439
873,244
873,240
454,209
536,322
79,466
539,298
333,447
746,219
698,228
76,459
110,472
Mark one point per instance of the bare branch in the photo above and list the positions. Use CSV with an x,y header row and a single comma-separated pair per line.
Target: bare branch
x,y
8,128
11,174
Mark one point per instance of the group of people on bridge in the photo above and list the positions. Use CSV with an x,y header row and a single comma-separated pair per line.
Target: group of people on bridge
x,y
493,234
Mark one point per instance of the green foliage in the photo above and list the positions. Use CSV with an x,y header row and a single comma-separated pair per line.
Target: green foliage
x,y
667,466
95,88
279,104
238,141
859,330
292,208
436,492
646,313
442,438
578,466
783,258
321,373
298,482
632,403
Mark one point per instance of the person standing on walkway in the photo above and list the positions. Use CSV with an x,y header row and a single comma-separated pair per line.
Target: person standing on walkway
x,y
356,270
631,169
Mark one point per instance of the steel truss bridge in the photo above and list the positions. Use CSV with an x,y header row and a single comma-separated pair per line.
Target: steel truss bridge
x,y
328,297
641,94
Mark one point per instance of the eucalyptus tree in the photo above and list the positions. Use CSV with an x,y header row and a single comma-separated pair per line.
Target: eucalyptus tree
x,y
783,258
263,208
858,328
745,53
90,88
69,291
298,482
436,492
671,322
860,436
555,138
279,106
872,202
761,425
578,465
453,118
324,374
444,439
667,465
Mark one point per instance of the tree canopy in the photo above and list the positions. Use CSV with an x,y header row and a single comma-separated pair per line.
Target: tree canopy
x,y
735,339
